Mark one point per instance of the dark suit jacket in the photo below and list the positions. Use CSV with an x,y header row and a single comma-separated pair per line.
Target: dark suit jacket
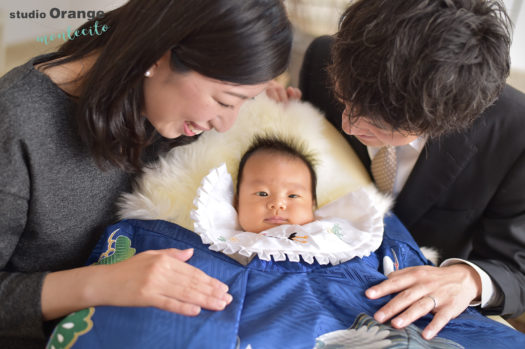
x,y
466,193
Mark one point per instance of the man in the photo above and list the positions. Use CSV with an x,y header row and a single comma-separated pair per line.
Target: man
x,y
428,77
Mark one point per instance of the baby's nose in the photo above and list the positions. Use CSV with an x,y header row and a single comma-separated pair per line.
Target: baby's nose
x,y
277,204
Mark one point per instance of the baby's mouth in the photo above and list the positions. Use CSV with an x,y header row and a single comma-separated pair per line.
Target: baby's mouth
x,y
276,220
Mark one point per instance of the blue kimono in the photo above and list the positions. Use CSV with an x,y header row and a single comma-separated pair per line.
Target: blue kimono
x,y
275,304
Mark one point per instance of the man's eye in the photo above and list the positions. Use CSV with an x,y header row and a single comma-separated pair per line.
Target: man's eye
x,y
225,105
261,193
293,196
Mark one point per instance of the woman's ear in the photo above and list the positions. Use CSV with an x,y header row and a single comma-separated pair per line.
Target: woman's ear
x,y
151,71
164,60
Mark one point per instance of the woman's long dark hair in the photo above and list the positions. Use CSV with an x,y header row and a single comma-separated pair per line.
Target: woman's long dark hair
x,y
239,41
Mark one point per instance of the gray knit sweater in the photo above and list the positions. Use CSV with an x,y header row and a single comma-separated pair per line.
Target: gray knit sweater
x,y
54,201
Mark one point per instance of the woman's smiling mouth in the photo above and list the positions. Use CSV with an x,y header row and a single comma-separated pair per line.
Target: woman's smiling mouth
x,y
191,129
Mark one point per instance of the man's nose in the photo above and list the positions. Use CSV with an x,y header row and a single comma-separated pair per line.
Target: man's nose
x,y
351,127
345,121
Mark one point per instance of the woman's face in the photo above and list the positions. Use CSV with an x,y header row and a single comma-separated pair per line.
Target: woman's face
x,y
189,103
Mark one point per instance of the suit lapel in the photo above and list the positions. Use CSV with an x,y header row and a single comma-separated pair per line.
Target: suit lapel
x,y
438,165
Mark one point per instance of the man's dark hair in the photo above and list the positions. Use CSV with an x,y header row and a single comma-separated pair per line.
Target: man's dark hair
x,y
421,66
282,146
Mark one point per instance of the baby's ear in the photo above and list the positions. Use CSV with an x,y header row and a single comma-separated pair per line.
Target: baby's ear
x,y
236,201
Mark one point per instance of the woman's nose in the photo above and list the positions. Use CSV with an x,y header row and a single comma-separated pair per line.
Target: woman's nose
x,y
225,121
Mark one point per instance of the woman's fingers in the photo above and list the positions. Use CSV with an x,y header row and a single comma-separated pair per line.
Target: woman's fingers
x,y
272,94
188,284
293,93
181,255
280,94
188,273
196,296
193,285
163,279
176,306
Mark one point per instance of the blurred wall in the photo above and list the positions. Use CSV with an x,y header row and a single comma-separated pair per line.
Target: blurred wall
x,y
311,18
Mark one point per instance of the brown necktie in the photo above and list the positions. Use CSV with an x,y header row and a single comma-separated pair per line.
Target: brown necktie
x,y
384,168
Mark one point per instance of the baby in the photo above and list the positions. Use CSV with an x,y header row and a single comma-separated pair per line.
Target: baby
x,y
273,212
276,184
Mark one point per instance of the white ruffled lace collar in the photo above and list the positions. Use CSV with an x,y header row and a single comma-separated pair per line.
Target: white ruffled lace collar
x,y
349,227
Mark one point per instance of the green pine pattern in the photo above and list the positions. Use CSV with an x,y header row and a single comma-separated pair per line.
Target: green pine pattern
x,y
70,328
76,324
123,251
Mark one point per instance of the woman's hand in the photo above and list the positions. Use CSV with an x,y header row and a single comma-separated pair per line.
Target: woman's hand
x,y
279,93
445,291
158,278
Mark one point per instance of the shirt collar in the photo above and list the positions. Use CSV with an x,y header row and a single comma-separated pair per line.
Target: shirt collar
x,y
417,144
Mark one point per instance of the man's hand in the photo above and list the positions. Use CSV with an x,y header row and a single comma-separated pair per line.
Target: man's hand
x,y
445,291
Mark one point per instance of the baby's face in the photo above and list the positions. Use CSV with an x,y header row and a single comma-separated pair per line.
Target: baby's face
x,y
275,190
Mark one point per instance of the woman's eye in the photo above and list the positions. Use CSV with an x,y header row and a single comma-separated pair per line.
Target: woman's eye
x,y
261,193
293,196
225,105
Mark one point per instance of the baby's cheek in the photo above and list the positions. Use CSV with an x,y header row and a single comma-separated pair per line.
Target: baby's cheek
x,y
304,217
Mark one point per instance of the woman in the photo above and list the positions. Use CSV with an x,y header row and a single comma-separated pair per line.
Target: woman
x,y
78,123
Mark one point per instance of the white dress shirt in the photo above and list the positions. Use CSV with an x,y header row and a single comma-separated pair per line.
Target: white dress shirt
x,y
406,156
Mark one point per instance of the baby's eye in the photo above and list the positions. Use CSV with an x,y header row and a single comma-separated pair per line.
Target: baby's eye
x,y
261,193
293,196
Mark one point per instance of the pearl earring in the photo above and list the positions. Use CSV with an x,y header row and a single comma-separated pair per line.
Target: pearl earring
x,y
147,74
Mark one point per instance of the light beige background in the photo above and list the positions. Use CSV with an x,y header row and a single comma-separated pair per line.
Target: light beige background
x,y
311,18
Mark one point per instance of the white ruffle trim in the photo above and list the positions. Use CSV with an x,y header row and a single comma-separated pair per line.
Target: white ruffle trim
x,y
349,227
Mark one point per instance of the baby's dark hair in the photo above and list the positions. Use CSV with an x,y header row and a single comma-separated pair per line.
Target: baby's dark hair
x,y
284,146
